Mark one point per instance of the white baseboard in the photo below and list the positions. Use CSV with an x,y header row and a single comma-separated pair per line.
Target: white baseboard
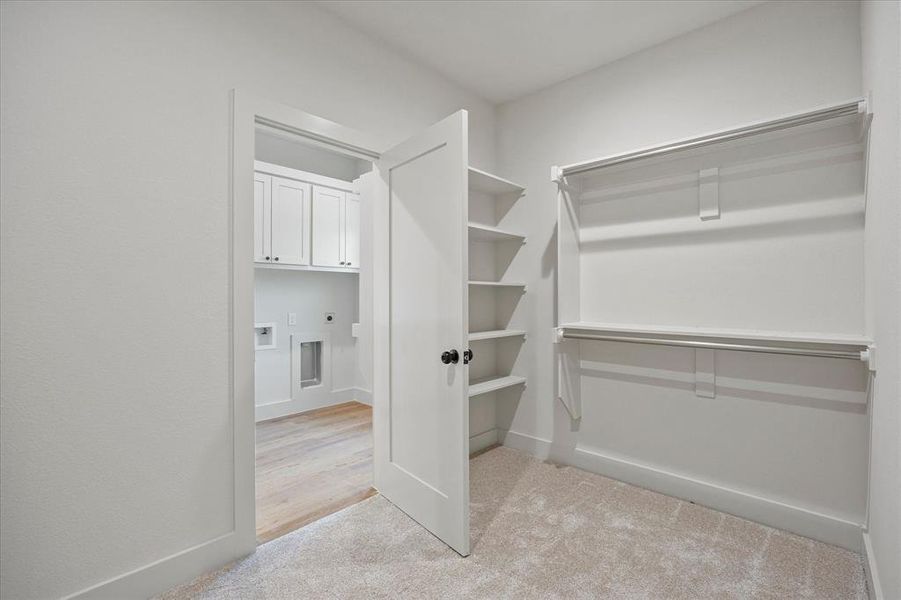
x,y
874,587
483,440
363,396
826,528
166,573
284,408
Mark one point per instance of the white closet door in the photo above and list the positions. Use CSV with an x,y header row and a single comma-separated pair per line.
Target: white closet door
x,y
262,217
327,227
421,408
290,222
352,231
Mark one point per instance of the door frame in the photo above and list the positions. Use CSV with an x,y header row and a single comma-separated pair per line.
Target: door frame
x,y
248,111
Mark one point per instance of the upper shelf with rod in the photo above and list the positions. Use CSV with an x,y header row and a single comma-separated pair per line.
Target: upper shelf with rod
x,y
839,124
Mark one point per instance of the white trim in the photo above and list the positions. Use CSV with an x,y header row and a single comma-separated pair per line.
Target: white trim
x,y
802,521
304,176
247,112
363,396
280,267
483,440
288,407
166,573
874,587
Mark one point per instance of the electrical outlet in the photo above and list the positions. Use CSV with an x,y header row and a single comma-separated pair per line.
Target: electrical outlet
x,y
329,318
292,318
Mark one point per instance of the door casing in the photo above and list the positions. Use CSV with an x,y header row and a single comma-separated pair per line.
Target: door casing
x,y
248,111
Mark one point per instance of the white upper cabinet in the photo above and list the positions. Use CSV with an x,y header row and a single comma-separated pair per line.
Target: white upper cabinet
x,y
262,217
290,222
328,227
304,220
352,230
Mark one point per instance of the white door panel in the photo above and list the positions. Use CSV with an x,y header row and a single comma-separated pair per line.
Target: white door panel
x,y
327,227
290,222
262,217
421,410
352,231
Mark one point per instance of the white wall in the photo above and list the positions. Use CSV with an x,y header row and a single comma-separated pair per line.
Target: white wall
x,y
116,433
773,59
308,294
280,149
881,36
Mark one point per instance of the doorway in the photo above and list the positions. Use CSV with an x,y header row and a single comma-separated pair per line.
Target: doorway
x,y
312,358
420,433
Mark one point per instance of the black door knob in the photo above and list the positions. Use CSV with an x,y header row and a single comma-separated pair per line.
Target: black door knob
x,y
467,356
450,356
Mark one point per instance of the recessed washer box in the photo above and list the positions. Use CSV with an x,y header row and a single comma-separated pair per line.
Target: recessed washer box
x,y
264,336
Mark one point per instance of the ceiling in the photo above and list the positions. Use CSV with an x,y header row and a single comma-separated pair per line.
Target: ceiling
x,y
503,50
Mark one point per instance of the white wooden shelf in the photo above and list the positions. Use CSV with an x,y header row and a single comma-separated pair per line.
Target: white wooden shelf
x,y
495,334
485,233
487,183
756,335
854,113
483,385
281,267
496,284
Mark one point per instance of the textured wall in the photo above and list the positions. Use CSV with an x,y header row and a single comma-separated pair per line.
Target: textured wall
x,y
773,59
116,431
881,36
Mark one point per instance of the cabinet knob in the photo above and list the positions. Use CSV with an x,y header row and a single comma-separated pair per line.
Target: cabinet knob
x,y
467,356
342,262
267,258
348,263
276,259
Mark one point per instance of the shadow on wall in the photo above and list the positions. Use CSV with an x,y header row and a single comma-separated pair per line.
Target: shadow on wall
x,y
819,383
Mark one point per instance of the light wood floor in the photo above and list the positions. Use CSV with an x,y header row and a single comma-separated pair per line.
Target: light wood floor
x,y
311,465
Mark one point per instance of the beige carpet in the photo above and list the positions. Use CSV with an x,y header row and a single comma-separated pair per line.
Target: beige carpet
x,y
541,531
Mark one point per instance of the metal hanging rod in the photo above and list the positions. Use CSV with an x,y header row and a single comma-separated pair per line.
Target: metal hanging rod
x,y
848,109
843,354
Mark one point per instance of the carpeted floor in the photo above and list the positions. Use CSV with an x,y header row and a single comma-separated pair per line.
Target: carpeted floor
x,y
541,531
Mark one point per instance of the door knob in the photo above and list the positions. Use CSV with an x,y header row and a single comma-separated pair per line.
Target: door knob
x,y
450,356
467,356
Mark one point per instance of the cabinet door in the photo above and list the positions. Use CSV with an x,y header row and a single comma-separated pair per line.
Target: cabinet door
x,y
262,217
327,227
352,231
290,222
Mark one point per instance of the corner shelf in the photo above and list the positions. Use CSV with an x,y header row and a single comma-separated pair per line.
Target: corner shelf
x,y
480,181
475,336
484,385
484,233
491,248
497,284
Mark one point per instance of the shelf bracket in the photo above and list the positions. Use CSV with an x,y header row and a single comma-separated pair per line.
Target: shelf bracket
x,y
709,194
705,373
869,357
556,174
569,376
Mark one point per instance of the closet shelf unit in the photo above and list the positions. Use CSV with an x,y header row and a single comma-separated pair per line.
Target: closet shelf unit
x,y
751,236
483,233
491,304
495,334
497,284
484,385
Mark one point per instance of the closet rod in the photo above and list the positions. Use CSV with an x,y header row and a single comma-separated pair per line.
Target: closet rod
x,y
844,354
848,109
